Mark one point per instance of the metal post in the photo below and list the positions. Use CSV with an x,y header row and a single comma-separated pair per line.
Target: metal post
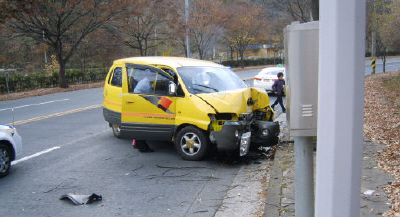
x,y
44,49
373,52
155,42
340,108
187,28
7,79
304,176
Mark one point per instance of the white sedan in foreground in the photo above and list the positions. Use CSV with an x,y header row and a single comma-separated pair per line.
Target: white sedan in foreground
x,y
267,76
10,148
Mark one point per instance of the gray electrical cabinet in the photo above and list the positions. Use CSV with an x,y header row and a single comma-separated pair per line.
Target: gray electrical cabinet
x,y
301,57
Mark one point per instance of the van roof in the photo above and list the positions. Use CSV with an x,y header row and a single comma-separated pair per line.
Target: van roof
x,y
174,62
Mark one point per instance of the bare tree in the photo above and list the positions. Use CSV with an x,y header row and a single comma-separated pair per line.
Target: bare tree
x,y
381,33
142,25
389,26
390,29
299,9
206,24
98,49
178,28
246,24
9,8
63,24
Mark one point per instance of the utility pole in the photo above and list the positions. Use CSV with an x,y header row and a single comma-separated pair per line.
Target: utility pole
x,y
340,108
44,49
187,28
155,41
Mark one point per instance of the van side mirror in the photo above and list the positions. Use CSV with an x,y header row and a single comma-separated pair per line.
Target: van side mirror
x,y
172,89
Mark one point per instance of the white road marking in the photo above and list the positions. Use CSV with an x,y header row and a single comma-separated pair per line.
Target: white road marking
x,y
57,147
42,103
35,155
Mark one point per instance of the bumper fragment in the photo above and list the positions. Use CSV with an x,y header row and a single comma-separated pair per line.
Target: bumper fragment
x,y
265,133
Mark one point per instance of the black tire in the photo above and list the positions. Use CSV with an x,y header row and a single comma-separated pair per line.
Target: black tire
x,y
116,130
192,143
5,160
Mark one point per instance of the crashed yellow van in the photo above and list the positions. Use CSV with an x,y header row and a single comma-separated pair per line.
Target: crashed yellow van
x,y
199,105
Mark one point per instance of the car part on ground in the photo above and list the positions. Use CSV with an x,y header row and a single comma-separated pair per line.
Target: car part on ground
x,y
82,199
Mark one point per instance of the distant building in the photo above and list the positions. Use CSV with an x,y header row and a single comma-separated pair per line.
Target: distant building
x,y
258,51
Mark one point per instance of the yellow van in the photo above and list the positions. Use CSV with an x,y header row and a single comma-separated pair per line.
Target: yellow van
x,y
199,105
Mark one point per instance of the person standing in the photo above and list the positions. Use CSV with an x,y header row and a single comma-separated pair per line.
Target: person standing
x,y
278,87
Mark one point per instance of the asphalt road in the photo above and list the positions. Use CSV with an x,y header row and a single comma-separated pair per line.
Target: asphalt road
x,y
69,148
390,65
77,153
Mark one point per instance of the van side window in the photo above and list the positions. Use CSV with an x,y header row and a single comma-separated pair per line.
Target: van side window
x,y
147,81
117,77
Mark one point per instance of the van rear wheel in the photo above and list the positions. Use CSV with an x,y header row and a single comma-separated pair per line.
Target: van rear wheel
x,y
116,130
192,143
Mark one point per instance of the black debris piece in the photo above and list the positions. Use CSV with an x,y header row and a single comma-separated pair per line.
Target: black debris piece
x,y
81,199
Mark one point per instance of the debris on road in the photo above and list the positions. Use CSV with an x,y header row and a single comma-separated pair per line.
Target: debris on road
x,y
81,199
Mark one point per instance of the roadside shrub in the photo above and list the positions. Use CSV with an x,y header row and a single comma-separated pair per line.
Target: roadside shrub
x,y
253,62
18,82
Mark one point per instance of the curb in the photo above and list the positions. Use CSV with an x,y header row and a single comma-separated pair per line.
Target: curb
x,y
274,190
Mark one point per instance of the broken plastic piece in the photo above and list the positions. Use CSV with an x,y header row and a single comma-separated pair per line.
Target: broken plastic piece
x,y
369,192
82,199
265,149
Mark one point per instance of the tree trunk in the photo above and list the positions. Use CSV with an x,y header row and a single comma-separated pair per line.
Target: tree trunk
x,y
241,53
62,80
145,47
315,9
384,61
200,52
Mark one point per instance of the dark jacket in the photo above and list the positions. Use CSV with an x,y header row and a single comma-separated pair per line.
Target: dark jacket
x,y
278,86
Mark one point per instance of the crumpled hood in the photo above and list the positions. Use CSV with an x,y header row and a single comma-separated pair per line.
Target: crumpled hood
x,y
236,101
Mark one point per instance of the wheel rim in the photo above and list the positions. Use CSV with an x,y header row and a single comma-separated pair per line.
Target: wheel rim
x,y
190,144
4,160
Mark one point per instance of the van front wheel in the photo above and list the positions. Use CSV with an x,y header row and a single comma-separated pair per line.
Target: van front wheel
x,y
191,143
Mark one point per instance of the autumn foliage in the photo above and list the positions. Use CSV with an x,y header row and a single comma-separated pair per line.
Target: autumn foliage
x,y
61,24
382,125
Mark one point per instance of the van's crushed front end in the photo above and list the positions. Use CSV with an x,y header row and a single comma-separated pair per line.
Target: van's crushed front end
x,y
244,118
240,134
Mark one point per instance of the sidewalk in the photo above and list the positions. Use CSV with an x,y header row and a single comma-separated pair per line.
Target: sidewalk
x,y
280,198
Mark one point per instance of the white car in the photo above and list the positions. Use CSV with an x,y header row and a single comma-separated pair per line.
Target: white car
x,y
10,148
267,76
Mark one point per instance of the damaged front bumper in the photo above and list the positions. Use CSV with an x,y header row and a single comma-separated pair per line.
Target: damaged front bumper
x,y
239,135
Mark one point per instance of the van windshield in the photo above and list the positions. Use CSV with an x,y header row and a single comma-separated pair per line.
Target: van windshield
x,y
209,79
